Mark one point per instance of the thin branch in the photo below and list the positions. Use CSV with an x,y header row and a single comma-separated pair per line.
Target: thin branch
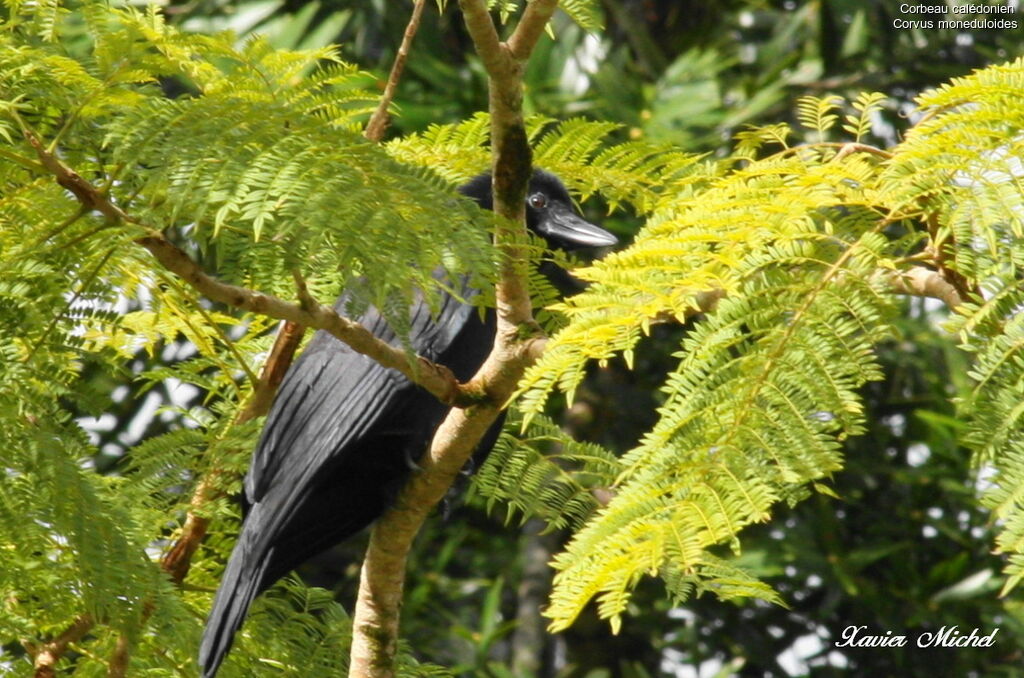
x,y
846,148
225,339
82,237
379,120
942,251
48,654
924,282
178,559
117,667
289,335
26,163
850,148
530,28
86,282
80,212
485,35
434,378
85,193
306,300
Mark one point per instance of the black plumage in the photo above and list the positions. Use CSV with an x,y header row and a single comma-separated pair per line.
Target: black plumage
x,y
343,433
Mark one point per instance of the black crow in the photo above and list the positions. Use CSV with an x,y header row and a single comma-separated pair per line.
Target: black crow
x,y
343,434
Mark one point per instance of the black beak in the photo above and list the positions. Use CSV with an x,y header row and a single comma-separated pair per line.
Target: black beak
x,y
567,230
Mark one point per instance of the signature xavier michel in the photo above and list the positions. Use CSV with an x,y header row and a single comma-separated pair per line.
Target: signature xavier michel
x,y
947,636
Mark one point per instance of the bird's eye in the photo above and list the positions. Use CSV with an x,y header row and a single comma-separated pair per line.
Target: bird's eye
x,y
538,201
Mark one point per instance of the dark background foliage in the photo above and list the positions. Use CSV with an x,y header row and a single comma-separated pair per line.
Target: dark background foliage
x,y
903,547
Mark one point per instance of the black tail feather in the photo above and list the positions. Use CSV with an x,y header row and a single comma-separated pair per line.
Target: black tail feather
x,y
244,578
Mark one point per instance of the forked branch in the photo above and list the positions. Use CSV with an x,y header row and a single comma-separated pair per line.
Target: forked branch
x,y
376,617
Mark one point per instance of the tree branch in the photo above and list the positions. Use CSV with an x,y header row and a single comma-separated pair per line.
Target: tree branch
x,y
510,150
924,282
434,378
117,667
376,616
47,655
485,36
530,28
379,120
178,559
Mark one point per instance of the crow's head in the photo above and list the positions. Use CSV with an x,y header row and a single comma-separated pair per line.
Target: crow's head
x,y
549,212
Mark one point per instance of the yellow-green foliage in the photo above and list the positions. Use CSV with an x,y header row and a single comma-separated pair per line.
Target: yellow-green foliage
x,y
963,165
799,243
545,474
257,169
577,150
586,13
252,161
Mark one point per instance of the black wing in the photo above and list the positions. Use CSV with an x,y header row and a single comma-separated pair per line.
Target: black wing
x,y
337,446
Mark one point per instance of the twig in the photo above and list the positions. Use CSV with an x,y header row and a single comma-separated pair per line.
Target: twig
x,y
852,147
117,667
26,163
379,120
86,282
225,339
941,252
530,28
306,300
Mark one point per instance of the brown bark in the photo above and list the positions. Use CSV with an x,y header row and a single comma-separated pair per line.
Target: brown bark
x,y
47,655
922,282
436,379
376,616
178,559
379,120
